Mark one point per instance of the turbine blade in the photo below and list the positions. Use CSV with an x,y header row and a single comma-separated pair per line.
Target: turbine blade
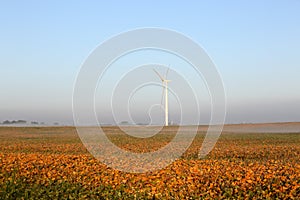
x,y
161,78
167,72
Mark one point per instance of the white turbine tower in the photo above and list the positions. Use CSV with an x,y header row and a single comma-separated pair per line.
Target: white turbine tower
x,y
165,89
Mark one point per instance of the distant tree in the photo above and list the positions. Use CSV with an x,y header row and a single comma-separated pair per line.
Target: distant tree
x,y
34,123
6,122
142,124
21,122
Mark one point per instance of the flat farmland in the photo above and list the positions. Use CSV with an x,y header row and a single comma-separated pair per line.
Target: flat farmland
x,y
248,162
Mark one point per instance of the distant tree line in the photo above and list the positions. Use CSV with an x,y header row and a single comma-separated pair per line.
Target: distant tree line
x,y
14,122
7,122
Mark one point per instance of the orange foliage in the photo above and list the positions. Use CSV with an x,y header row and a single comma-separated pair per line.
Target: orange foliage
x,y
248,171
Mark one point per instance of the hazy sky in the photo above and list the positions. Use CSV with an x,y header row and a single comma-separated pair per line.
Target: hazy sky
x,y
254,44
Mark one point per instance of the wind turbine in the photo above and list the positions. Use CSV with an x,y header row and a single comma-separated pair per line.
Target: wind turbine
x,y
165,81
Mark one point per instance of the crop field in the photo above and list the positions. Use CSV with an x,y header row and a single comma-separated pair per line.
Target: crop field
x,y
52,163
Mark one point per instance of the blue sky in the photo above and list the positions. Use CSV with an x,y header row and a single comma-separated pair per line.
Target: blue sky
x,y
254,44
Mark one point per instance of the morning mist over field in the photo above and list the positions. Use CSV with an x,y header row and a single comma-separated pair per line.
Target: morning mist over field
x,y
254,46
